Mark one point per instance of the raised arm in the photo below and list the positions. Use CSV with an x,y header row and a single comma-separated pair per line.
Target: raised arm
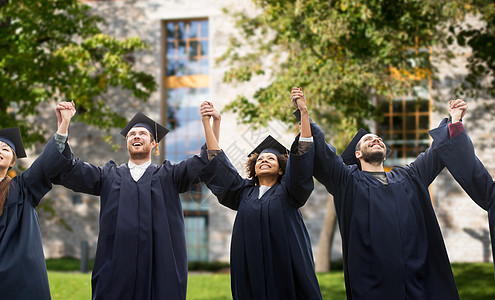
x,y
428,165
211,134
299,100
51,161
76,175
186,173
219,174
298,177
329,169
458,155
64,111
224,181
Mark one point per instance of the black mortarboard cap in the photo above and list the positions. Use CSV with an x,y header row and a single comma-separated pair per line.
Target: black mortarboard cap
x,y
270,145
12,137
141,120
349,154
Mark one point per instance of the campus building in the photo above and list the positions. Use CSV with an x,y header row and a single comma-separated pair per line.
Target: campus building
x,y
186,38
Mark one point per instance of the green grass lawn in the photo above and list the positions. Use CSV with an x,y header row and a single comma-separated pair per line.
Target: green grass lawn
x,y
474,281
69,285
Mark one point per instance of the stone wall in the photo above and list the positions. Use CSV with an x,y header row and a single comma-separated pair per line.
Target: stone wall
x,y
464,224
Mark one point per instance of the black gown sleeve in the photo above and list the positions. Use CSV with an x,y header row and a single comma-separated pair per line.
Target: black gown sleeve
x,y
81,176
48,165
224,181
427,165
298,177
459,157
185,173
329,168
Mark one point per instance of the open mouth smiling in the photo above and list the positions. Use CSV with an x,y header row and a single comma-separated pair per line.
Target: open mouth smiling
x,y
375,144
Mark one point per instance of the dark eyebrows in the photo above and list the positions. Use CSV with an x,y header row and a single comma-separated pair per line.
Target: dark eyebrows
x,y
267,156
144,131
372,137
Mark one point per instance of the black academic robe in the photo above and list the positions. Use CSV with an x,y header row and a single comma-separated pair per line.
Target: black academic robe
x,y
391,241
22,263
470,173
270,255
141,250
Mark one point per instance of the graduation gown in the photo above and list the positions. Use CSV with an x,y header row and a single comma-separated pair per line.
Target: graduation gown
x,y
470,173
22,262
141,250
270,255
391,242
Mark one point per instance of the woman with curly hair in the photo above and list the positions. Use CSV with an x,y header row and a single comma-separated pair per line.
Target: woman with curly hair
x,y
270,256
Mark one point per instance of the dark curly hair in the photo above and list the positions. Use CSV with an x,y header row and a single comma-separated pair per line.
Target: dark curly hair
x,y
251,166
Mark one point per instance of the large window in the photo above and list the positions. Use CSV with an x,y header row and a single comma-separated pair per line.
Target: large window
x,y
185,85
406,119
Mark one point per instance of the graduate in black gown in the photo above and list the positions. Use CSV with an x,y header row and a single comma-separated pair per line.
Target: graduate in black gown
x,y
270,256
22,262
141,250
467,169
391,242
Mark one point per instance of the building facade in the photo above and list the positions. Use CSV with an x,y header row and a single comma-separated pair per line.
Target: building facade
x,y
186,37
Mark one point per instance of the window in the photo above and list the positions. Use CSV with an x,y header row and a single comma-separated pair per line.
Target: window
x,y
185,86
187,50
406,119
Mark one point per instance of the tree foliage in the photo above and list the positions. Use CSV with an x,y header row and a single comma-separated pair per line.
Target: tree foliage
x,y
344,53
53,50
481,41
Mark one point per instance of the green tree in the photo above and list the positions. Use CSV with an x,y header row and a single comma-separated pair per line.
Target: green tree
x,y
480,39
53,50
344,53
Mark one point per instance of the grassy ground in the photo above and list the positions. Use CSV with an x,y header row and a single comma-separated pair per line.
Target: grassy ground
x,y
69,286
474,281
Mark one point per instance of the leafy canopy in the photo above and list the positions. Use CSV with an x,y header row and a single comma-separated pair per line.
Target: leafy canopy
x,y
480,39
343,53
52,51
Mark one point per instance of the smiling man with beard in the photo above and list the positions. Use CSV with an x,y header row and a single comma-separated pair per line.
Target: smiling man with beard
x,y
392,245
141,251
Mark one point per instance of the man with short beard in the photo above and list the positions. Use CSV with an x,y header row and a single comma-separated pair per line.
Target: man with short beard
x,y
141,251
392,245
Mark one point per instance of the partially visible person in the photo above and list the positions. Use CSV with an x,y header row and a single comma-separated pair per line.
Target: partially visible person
x,y
467,168
23,273
270,255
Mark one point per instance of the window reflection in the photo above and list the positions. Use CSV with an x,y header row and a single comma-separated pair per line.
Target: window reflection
x,y
186,59
187,48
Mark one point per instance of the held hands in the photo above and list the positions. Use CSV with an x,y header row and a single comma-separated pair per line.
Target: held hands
x,y
212,134
208,111
298,99
457,109
65,111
